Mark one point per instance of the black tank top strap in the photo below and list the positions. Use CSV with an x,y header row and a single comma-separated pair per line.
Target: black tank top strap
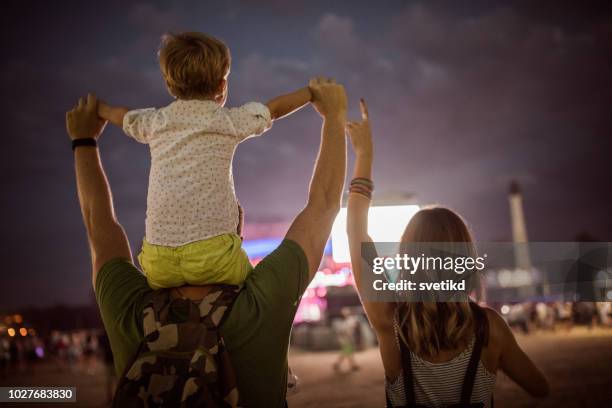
x,y
481,334
408,374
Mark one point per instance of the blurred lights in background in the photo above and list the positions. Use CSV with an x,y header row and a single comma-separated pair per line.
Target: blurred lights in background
x,y
14,326
385,224
512,278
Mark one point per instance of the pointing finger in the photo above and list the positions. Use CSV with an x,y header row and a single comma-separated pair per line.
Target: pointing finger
x,y
364,109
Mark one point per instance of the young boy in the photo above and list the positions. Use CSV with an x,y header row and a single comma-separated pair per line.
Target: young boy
x,y
192,212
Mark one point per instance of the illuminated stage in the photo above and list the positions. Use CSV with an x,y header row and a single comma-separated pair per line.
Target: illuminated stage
x,y
332,287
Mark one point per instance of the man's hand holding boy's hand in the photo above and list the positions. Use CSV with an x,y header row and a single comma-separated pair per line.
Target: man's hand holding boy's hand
x,y
328,97
82,121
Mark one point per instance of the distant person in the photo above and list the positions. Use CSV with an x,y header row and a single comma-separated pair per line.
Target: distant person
x,y
74,351
192,213
257,328
564,314
30,356
346,328
435,354
604,309
5,357
545,316
14,355
519,316
585,313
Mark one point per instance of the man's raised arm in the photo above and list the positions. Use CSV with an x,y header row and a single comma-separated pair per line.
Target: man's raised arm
x,y
312,226
107,239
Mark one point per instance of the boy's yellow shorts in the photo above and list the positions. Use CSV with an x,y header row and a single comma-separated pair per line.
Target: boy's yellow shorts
x,y
219,259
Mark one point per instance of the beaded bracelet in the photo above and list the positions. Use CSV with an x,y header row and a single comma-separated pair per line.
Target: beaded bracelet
x,y
363,193
363,186
360,188
364,182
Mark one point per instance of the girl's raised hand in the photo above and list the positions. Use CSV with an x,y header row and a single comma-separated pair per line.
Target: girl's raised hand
x,y
360,131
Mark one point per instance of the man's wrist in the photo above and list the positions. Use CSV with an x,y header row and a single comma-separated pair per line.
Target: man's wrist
x,y
84,142
337,116
308,93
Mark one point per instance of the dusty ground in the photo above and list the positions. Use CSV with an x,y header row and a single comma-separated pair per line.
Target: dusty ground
x,y
578,364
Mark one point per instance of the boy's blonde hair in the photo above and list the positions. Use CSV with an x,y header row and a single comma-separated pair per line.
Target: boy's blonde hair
x,y
193,64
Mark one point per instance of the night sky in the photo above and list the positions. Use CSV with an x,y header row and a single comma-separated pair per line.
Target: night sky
x,y
463,99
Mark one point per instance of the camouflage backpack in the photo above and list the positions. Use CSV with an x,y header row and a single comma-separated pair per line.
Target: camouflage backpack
x,y
182,361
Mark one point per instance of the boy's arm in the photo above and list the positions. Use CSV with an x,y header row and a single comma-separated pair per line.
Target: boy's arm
x,y
113,114
284,105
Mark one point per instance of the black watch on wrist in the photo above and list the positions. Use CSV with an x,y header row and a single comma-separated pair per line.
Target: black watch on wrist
x,y
89,141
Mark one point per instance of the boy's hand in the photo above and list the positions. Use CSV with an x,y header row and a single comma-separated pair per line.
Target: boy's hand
x,y
103,110
328,97
83,121
113,114
360,132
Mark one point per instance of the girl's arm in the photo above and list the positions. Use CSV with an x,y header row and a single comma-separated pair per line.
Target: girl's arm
x,y
515,363
284,105
380,314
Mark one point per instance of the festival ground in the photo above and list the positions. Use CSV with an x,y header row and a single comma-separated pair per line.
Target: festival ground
x,y
576,363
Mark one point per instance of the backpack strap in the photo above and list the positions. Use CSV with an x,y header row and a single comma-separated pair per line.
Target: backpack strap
x,y
215,305
481,330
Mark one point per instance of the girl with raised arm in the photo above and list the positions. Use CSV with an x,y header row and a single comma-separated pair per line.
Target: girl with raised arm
x,y
435,354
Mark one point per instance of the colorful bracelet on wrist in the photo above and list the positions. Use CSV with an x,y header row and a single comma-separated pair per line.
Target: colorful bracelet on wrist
x,y
363,193
363,186
363,182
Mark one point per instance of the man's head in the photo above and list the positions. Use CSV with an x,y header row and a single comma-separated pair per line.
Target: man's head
x,y
195,66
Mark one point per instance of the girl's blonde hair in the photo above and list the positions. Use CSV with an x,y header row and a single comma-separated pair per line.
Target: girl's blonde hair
x,y
429,327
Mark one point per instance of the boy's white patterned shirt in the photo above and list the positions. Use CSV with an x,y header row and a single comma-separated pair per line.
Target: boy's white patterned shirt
x,y
191,193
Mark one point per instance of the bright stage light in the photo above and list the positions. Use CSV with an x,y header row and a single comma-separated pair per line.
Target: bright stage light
x,y
386,224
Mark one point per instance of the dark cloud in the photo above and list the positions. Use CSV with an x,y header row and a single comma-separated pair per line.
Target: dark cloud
x,y
464,96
